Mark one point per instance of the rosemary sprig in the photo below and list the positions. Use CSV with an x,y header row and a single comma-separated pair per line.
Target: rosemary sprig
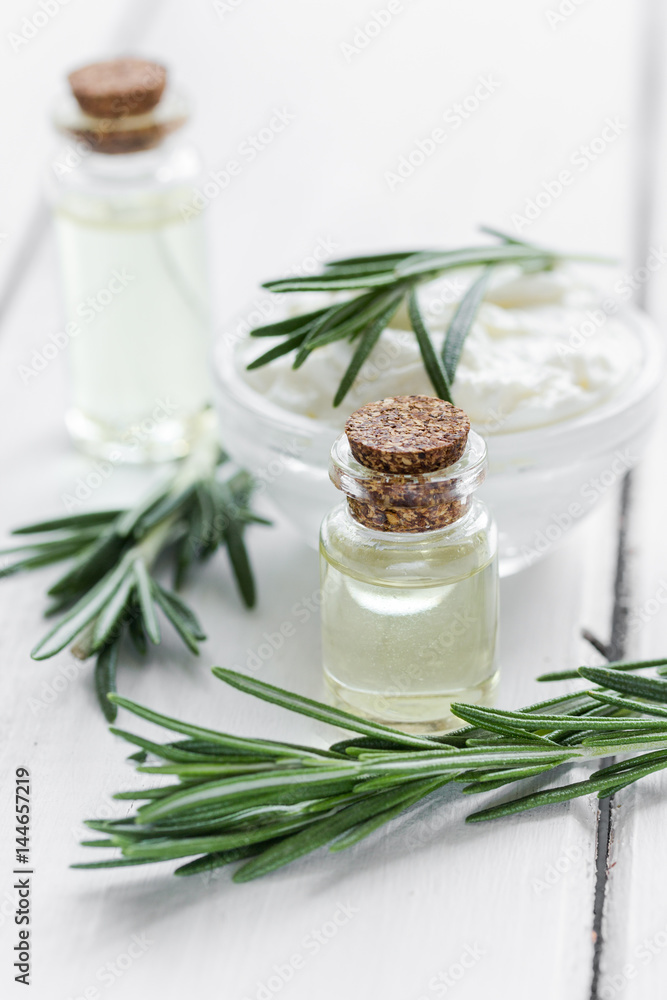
x,y
110,589
383,282
267,803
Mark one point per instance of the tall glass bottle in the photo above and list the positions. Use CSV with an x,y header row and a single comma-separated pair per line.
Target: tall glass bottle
x,y
409,567
133,265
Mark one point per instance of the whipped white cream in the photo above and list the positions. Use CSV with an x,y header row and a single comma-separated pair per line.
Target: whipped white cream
x,y
542,349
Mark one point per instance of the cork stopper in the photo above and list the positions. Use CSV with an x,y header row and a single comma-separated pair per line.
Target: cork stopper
x,y
119,87
120,106
408,434
407,438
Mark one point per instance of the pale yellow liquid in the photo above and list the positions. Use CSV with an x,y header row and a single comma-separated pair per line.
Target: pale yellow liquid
x,y
139,363
402,653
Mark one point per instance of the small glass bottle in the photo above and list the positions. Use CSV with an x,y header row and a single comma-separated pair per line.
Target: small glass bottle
x,y
133,265
409,567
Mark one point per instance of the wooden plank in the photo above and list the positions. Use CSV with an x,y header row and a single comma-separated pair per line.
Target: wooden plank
x,y
635,924
431,904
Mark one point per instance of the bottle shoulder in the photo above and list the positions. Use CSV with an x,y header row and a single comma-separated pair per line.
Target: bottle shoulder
x,y
78,171
447,554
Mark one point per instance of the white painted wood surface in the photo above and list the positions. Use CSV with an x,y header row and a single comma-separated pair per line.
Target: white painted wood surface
x,y
412,900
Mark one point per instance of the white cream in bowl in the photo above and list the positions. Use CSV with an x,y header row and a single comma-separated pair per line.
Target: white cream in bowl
x,y
562,382
541,350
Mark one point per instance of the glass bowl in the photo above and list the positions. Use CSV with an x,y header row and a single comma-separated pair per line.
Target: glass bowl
x,y
540,483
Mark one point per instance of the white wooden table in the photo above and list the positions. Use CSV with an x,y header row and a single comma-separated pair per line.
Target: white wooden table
x,y
565,902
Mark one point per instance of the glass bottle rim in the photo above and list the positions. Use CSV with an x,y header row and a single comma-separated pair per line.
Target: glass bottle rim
x,y
455,482
149,129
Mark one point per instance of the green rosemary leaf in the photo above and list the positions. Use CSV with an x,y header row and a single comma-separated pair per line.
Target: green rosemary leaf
x,y
506,237
65,544
291,325
208,735
315,709
165,849
394,273
145,596
381,259
78,521
105,679
529,722
238,557
487,782
566,675
170,504
320,283
209,862
360,269
409,797
137,631
643,687
434,368
497,724
34,562
629,704
207,507
138,794
603,785
276,788
367,341
113,863
90,566
106,623
468,257
337,324
83,612
174,608
183,561
460,324
335,314
277,352
317,834
163,750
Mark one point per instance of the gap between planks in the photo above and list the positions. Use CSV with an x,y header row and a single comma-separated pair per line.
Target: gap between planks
x,y
644,198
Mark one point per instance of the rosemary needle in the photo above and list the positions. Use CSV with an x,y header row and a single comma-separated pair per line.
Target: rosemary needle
x,y
381,283
267,803
109,588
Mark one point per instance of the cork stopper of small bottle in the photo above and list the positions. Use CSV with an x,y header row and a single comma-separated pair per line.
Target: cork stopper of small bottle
x,y
407,437
121,101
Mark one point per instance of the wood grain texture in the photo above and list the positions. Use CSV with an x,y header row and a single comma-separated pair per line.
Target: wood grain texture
x,y
429,907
